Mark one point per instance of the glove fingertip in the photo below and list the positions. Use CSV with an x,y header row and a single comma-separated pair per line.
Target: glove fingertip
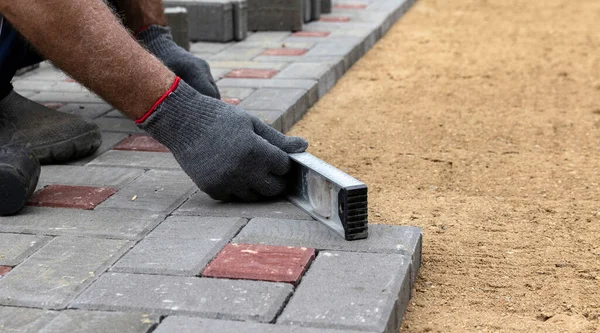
x,y
295,144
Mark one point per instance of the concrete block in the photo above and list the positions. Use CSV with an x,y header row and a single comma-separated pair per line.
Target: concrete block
x,y
326,6
66,85
46,72
155,190
308,85
98,321
120,224
74,197
181,324
239,93
16,248
141,142
237,53
274,118
87,176
178,20
352,291
275,15
267,36
210,20
382,238
109,140
315,13
306,10
200,204
24,320
122,125
240,19
168,295
208,47
86,110
180,246
246,64
138,159
59,271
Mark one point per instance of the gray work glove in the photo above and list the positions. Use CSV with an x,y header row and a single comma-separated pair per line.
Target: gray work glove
x,y
228,153
188,67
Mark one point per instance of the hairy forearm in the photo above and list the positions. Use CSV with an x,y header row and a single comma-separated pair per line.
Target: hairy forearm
x,y
83,38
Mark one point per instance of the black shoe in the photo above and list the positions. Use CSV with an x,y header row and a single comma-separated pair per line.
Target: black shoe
x,y
19,175
52,136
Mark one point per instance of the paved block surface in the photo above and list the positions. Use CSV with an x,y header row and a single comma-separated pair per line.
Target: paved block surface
x,y
350,6
17,320
98,321
248,73
285,52
4,270
200,204
59,271
183,324
155,190
107,223
180,246
261,262
379,289
232,101
64,196
311,34
141,142
210,298
334,19
382,238
87,176
141,160
15,248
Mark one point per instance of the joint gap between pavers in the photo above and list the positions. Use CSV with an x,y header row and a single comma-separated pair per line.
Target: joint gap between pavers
x,y
51,237
186,197
229,242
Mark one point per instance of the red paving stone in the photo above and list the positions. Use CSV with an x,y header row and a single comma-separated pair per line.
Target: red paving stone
x,y
232,101
63,196
260,262
334,19
247,73
350,6
285,52
4,270
311,34
141,142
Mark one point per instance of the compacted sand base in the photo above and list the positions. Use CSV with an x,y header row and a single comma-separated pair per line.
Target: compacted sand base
x,y
479,121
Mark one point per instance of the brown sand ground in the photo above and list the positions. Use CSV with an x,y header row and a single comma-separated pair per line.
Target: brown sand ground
x,y
479,121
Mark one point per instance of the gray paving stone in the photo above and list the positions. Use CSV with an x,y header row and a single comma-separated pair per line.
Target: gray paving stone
x,y
138,159
46,72
352,291
240,19
74,321
59,271
200,204
15,248
268,36
275,119
310,85
327,74
122,125
114,114
208,47
240,93
237,53
86,110
182,324
210,298
155,190
48,86
180,246
66,97
382,238
210,20
120,224
24,320
218,73
246,64
87,176
109,140
276,45
275,15
285,100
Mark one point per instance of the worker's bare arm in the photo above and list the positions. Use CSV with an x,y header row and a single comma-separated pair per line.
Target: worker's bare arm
x,y
84,38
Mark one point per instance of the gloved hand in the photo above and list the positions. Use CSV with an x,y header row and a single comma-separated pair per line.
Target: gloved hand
x,y
190,68
228,153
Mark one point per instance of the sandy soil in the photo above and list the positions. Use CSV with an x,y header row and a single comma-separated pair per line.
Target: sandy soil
x,y
479,121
